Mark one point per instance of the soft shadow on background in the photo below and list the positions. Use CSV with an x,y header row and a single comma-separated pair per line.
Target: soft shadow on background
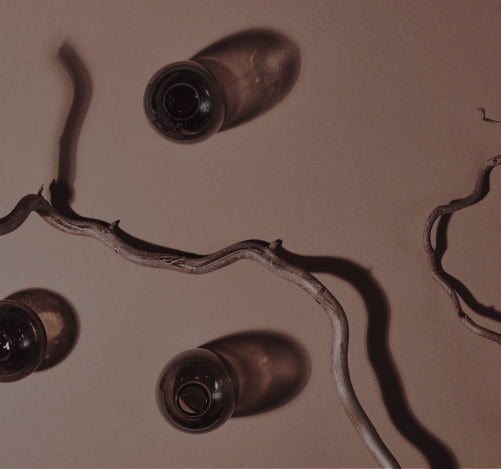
x,y
258,68
62,189
271,368
436,452
466,295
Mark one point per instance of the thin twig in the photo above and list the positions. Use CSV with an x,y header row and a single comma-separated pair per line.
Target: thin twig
x,y
487,119
259,251
479,192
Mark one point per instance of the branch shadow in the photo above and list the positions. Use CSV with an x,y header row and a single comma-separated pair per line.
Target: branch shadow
x,y
62,190
462,290
436,452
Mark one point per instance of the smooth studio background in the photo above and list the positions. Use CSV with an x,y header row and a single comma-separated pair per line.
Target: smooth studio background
x,y
381,126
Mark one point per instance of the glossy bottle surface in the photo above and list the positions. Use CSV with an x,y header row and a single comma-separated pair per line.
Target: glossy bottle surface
x,y
185,102
196,391
59,320
22,341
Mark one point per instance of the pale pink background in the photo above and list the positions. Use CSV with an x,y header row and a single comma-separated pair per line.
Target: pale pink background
x,y
381,126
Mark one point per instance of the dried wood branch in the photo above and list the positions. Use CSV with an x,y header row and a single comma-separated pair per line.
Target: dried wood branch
x,y
259,251
479,192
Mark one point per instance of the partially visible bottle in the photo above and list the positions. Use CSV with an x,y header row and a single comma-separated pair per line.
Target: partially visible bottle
x,y
23,341
38,329
224,85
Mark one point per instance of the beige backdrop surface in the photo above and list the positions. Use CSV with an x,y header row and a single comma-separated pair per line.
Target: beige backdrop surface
x,y
381,126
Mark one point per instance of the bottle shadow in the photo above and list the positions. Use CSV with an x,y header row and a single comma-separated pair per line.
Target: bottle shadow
x,y
462,290
271,368
258,68
436,452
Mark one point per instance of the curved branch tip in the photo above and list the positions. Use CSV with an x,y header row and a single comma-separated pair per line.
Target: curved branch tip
x,y
434,260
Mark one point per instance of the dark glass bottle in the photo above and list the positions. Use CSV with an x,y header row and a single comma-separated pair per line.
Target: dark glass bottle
x,y
197,391
38,329
226,84
240,374
23,341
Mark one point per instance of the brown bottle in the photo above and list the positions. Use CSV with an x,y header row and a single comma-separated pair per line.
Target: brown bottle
x,y
224,85
38,329
241,374
23,341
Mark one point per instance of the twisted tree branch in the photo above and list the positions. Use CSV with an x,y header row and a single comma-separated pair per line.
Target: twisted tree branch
x,y
259,251
479,192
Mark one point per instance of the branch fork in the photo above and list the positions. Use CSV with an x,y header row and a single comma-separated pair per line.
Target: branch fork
x,y
262,252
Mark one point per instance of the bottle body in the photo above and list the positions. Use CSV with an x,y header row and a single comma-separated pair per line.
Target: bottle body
x,y
185,102
197,392
23,341
228,83
240,374
58,318
38,329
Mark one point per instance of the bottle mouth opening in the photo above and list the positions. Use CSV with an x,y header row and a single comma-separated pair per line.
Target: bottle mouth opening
x,y
181,101
185,102
193,399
